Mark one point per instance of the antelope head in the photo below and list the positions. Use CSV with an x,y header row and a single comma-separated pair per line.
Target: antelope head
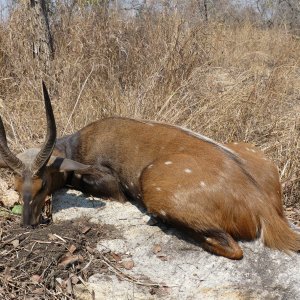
x,y
34,169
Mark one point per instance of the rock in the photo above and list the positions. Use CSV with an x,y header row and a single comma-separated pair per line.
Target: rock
x,y
8,196
116,245
3,185
190,272
113,288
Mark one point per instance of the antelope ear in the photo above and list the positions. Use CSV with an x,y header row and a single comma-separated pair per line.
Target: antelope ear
x,y
64,164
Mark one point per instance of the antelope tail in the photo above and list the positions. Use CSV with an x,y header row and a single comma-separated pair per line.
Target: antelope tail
x,y
276,233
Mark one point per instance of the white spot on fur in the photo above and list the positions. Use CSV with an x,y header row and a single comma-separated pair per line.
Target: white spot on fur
x,y
168,162
235,143
247,149
187,170
158,189
163,213
253,150
202,184
126,186
150,166
131,183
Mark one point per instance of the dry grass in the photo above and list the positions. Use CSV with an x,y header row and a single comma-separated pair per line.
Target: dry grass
x,y
229,83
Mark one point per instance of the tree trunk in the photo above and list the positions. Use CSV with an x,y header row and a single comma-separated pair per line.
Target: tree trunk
x,y
42,44
205,10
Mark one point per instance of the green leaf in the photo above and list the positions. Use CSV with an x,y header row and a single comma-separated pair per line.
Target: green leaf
x,y
17,209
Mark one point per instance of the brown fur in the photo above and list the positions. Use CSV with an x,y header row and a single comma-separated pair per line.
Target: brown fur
x,y
36,185
220,193
231,193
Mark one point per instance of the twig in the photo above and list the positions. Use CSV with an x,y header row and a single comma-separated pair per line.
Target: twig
x,y
284,169
59,237
68,238
77,100
85,285
15,249
131,278
27,261
87,265
47,242
11,239
49,265
42,242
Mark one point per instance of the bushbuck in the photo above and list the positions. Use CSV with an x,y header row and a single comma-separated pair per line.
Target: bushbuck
x,y
219,193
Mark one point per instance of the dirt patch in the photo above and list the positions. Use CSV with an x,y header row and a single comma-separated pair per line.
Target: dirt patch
x,y
46,262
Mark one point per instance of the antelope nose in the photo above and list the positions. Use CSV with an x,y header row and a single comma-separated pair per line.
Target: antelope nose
x,y
26,208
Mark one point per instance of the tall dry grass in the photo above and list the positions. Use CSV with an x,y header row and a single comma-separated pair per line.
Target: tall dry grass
x,y
231,83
